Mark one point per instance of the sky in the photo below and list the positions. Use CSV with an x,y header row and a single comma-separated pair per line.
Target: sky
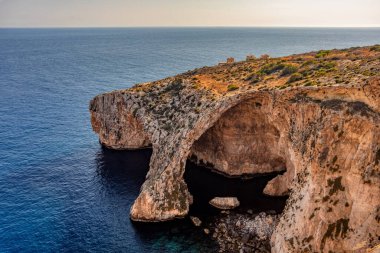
x,y
132,13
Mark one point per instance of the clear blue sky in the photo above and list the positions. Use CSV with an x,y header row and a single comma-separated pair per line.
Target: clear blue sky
x,y
116,13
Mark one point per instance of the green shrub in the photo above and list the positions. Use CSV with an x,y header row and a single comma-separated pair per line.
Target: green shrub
x,y
309,62
328,65
309,83
271,68
295,77
320,72
232,87
288,70
322,53
254,78
375,48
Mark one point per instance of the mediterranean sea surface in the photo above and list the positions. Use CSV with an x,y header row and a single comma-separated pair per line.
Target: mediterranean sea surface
x,y
60,191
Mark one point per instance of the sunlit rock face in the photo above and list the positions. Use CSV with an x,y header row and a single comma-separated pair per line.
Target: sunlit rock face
x,y
225,203
324,129
243,141
113,120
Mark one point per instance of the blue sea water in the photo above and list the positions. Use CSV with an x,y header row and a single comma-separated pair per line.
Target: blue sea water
x,y
59,190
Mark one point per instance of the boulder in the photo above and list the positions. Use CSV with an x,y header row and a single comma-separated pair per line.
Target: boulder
x,y
225,203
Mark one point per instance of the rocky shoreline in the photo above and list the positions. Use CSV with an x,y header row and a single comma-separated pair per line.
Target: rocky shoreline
x,y
240,232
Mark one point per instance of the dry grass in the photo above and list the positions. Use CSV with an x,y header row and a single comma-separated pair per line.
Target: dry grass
x,y
327,67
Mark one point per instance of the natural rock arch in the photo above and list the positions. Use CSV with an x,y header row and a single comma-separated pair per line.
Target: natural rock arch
x,y
169,190
330,135
248,139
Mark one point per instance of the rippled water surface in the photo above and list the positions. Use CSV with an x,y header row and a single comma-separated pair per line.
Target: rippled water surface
x,y
59,190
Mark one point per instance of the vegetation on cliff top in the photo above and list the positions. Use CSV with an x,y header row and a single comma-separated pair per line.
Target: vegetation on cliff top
x,y
322,68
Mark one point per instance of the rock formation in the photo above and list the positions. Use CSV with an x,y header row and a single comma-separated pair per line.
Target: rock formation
x,y
315,115
243,232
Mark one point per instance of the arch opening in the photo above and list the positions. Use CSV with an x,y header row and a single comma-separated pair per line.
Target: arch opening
x,y
247,149
244,141
243,153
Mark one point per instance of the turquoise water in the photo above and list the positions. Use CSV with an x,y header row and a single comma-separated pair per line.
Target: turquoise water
x,y
59,190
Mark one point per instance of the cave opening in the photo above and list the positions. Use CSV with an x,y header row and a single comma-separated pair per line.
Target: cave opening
x,y
237,157
204,185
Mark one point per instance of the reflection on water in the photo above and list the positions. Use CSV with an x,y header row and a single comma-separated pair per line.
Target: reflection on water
x,y
118,169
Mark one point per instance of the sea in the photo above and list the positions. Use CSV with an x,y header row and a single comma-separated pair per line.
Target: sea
x,y
60,191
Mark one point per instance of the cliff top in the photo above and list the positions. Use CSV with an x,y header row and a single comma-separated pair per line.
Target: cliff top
x,y
322,68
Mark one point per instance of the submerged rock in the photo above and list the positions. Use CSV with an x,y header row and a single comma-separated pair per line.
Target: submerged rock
x,y
244,232
225,203
196,221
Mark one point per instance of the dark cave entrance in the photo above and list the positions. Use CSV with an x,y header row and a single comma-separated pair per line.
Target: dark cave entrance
x,y
237,157
204,184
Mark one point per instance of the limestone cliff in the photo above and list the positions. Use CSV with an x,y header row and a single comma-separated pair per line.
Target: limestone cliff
x,y
315,115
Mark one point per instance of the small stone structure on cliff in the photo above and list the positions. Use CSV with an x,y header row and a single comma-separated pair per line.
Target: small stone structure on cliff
x,y
250,57
315,115
230,60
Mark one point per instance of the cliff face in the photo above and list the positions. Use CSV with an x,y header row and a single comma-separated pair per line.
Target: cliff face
x,y
316,115
116,126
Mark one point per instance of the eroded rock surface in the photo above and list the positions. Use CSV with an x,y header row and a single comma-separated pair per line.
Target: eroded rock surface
x,y
320,124
243,141
244,233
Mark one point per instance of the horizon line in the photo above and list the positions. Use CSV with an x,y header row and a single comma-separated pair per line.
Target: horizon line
x,y
185,26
